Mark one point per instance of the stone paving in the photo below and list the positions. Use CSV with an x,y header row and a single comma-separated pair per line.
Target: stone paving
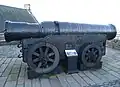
x,y
13,74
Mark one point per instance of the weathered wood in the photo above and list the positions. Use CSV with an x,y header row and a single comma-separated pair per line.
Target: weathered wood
x,y
101,71
45,82
9,68
18,61
3,67
81,73
22,72
114,74
2,81
63,81
28,83
87,79
79,80
105,68
20,80
2,61
110,77
7,71
10,84
8,60
112,68
17,66
15,70
55,82
72,81
36,83
103,78
20,85
93,77
12,77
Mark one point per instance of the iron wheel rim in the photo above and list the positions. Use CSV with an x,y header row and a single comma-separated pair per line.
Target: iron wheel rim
x,y
91,55
46,59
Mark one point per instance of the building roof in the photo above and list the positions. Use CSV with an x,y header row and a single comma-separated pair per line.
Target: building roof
x,y
14,14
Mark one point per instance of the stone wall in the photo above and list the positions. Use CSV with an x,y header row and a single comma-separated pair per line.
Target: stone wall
x,y
115,44
9,51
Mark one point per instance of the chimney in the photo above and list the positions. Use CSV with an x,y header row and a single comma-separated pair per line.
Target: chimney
x,y
27,7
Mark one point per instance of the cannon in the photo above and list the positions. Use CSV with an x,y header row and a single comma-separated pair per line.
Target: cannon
x,y
48,44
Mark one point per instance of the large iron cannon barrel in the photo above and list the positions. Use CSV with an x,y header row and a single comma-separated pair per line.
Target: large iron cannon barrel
x,y
22,30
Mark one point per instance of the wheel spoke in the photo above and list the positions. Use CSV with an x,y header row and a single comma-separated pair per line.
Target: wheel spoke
x,y
35,60
51,54
88,50
87,58
93,50
46,51
41,51
47,66
39,65
51,60
36,54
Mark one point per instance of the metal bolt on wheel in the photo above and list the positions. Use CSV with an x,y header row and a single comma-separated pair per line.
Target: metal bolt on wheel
x,y
43,57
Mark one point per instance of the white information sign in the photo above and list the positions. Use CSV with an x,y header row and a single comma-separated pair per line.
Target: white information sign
x,y
71,52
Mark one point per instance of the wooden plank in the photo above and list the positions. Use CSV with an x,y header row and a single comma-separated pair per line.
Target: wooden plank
x,y
17,66
7,71
101,71
18,61
103,78
114,74
3,67
72,81
8,61
81,74
10,84
110,77
20,85
15,70
45,82
79,80
36,83
2,61
55,82
93,77
12,77
22,72
14,59
112,68
105,68
20,80
9,68
63,81
2,81
87,79
28,83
